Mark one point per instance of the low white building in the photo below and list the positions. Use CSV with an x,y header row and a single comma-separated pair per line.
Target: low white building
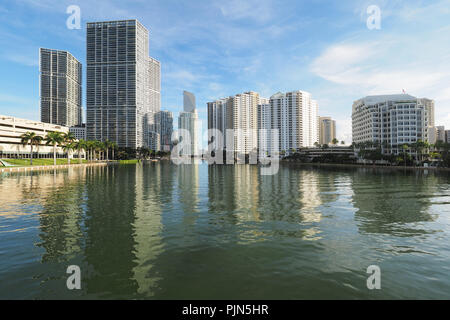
x,y
11,130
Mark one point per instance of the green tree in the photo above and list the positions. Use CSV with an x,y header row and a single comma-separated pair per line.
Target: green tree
x,y
335,141
54,139
79,146
113,147
405,148
108,145
68,148
33,140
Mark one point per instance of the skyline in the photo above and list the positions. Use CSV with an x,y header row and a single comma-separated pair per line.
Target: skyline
x,y
218,50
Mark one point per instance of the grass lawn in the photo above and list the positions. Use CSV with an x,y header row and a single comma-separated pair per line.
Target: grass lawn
x,y
128,161
39,162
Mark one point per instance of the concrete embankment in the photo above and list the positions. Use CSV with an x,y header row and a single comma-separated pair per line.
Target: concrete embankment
x,y
50,168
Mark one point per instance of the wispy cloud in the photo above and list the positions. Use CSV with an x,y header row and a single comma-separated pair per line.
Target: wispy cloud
x,y
26,60
260,11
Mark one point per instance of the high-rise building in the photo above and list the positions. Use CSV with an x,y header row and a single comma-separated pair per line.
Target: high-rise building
x,y
392,121
188,121
265,143
245,122
60,88
440,133
447,136
123,84
164,119
295,115
220,118
327,130
240,114
188,102
254,120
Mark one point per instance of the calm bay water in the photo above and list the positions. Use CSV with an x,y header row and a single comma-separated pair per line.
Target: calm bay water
x,y
160,231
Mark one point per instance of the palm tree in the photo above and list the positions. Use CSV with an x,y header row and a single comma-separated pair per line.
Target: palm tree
x,y
89,148
405,147
79,146
98,148
107,144
68,140
53,139
32,139
335,141
114,147
68,147
69,137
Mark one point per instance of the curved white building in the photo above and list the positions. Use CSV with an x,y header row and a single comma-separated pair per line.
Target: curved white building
x,y
392,120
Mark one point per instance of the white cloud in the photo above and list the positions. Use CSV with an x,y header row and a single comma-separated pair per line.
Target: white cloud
x,y
257,10
27,60
418,63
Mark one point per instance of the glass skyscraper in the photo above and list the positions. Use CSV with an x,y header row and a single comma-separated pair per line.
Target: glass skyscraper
x,y
123,83
60,88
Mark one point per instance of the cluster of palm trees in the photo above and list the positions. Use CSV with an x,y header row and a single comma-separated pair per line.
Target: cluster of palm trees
x,y
419,150
334,142
95,150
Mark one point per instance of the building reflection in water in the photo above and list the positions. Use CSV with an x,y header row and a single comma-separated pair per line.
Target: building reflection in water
x,y
110,237
188,191
240,194
151,182
130,228
392,202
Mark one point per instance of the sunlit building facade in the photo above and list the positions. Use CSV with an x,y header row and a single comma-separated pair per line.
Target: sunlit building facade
x,y
392,121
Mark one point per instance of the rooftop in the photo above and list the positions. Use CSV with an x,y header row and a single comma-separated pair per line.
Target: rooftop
x,y
371,100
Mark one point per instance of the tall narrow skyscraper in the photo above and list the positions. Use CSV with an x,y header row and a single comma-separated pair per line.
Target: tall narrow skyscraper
x,y
164,119
295,115
60,88
123,84
188,121
240,114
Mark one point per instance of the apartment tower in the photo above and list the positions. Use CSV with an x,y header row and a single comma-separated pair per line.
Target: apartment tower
x,y
123,84
295,115
60,88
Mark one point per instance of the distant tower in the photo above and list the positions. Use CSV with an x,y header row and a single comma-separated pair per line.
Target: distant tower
x,y
327,130
188,120
60,88
188,101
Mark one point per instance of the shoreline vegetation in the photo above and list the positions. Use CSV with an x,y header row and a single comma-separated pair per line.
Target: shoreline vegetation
x,y
364,166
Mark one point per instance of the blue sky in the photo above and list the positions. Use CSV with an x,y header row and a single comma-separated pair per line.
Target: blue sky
x,y
220,48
